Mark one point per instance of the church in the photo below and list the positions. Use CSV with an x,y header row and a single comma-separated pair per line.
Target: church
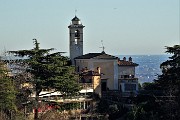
x,y
115,74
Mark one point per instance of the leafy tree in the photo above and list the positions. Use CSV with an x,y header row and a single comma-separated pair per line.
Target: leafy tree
x,y
169,82
50,71
145,108
24,89
161,99
7,92
113,109
170,78
137,113
148,86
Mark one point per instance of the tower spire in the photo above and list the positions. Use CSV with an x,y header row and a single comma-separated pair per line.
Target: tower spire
x,y
75,12
102,46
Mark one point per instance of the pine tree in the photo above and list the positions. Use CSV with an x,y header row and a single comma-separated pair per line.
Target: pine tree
x,y
169,82
50,71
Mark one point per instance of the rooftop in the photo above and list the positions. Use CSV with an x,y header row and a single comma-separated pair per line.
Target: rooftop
x,y
126,63
102,55
75,19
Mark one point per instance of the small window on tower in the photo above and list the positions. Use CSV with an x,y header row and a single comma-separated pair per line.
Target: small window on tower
x,y
77,33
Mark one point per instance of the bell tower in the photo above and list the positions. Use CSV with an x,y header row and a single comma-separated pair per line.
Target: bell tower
x,y
75,38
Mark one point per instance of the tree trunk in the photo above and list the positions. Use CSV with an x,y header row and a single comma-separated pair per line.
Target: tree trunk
x,y
36,103
36,107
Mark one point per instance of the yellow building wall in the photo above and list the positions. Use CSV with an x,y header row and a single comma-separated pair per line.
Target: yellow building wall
x,y
107,68
97,85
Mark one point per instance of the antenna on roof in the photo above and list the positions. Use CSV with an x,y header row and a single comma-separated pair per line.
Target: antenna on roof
x,y
102,46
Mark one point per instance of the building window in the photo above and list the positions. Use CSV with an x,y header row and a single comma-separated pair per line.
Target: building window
x,y
75,41
131,76
127,76
130,87
77,33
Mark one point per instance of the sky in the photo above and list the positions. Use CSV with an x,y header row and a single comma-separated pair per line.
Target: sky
x,y
127,27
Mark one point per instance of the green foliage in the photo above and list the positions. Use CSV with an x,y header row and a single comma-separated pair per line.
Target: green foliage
x,y
170,79
137,113
160,99
114,110
67,106
102,106
149,86
169,82
50,70
145,108
7,92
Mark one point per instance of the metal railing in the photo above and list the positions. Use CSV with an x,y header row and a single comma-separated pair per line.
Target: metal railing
x,y
86,85
128,79
67,98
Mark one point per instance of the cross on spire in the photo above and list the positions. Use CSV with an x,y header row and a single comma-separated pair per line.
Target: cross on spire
x,y
75,11
102,46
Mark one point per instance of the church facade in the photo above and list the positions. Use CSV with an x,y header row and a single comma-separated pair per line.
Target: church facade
x,y
115,74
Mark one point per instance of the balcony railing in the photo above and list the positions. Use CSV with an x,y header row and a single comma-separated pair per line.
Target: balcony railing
x,y
86,85
68,99
128,80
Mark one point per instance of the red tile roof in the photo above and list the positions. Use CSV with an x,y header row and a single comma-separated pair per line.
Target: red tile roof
x,y
126,63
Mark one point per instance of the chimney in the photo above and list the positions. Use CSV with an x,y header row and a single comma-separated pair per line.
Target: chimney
x,y
130,59
124,58
99,70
